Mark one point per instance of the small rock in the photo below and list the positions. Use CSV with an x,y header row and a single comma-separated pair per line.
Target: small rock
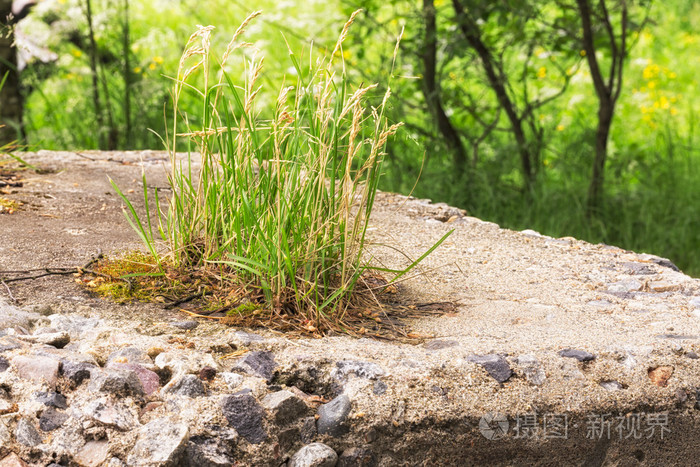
x,y
214,451
180,362
160,442
37,368
692,355
664,262
111,413
697,399
76,372
532,369
55,339
639,269
439,344
244,339
664,286
4,364
51,419
625,286
150,381
681,396
285,406
52,399
611,385
332,416
262,363
74,324
26,433
245,415
495,365
357,457
314,455
232,380
12,460
660,375
308,430
207,373
580,355
185,325
367,370
154,351
379,388
187,385
93,453
117,382
130,355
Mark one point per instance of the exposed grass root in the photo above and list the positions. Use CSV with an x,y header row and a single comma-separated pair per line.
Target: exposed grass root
x,y
373,310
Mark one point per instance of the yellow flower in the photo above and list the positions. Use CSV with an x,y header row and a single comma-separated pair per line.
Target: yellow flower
x,y
651,84
583,53
651,71
137,69
672,75
77,53
152,66
664,103
673,111
346,54
158,59
542,72
560,127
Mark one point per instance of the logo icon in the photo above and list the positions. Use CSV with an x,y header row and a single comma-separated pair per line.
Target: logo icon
x,y
493,426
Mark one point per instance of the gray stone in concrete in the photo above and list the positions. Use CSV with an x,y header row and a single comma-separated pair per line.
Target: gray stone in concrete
x,y
160,442
245,415
333,415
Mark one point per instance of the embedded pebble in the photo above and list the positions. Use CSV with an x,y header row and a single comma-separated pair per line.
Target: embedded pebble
x,y
261,363
37,368
532,369
495,365
333,415
285,406
187,385
245,414
580,355
160,442
26,433
314,455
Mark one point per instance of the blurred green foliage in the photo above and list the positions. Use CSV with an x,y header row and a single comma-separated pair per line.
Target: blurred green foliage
x,y
652,201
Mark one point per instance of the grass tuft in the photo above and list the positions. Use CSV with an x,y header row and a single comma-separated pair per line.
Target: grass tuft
x,y
277,209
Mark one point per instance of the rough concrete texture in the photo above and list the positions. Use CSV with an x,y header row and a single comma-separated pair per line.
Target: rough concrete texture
x,y
559,353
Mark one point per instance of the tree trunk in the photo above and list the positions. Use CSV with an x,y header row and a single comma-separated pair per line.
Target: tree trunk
x,y
432,92
11,102
595,189
473,36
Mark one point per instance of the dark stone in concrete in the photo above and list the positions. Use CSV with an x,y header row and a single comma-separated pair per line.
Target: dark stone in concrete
x,y
495,365
262,363
308,430
117,382
185,325
580,355
333,415
52,399
214,451
207,373
4,364
188,385
245,415
76,372
52,419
